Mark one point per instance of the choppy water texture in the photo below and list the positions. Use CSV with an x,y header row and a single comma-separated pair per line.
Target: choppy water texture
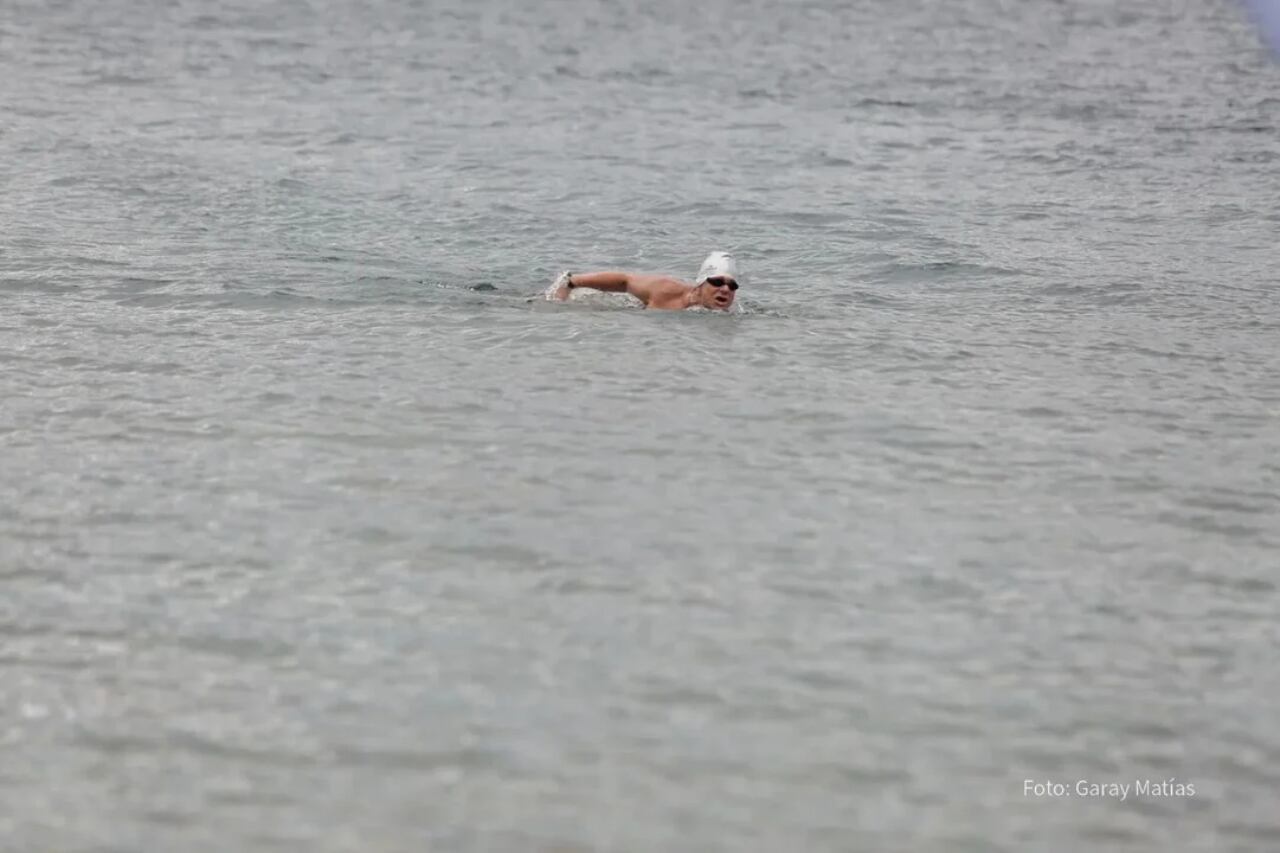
x,y
317,535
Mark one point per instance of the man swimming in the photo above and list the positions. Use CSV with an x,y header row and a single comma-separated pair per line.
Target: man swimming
x,y
715,287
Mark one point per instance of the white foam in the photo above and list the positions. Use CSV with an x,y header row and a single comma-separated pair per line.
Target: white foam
x,y
550,293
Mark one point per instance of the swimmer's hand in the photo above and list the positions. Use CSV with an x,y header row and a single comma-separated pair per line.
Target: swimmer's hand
x,y
561,286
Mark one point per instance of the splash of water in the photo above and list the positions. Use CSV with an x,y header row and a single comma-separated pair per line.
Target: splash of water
x,y
550,293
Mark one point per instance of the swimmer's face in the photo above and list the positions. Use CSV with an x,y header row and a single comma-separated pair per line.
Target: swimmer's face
x,y
719,292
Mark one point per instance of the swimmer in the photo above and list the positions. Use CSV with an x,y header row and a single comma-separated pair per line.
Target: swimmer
x,y
715,287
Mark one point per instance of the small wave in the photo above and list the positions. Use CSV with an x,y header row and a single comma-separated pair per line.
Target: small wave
x,y
642,74
948,269
878,102
131,284
865,298
120,80
33,285
244,300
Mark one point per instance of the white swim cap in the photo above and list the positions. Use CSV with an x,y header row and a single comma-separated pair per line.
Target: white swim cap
x,y
718,265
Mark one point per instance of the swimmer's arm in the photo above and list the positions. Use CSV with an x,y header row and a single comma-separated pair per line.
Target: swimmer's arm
x,y
614,282
642,287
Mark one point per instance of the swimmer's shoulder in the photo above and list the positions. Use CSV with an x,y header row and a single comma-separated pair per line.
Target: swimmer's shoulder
x,y
656,291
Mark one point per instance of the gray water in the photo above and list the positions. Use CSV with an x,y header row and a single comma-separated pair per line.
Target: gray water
x,y
317,534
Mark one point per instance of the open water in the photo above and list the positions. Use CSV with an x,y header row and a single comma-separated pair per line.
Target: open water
x,y
316,534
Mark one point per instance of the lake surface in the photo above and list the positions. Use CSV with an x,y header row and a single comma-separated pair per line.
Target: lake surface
x,y
320,531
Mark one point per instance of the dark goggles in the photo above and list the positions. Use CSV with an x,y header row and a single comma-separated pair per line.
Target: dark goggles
x,y
722,282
